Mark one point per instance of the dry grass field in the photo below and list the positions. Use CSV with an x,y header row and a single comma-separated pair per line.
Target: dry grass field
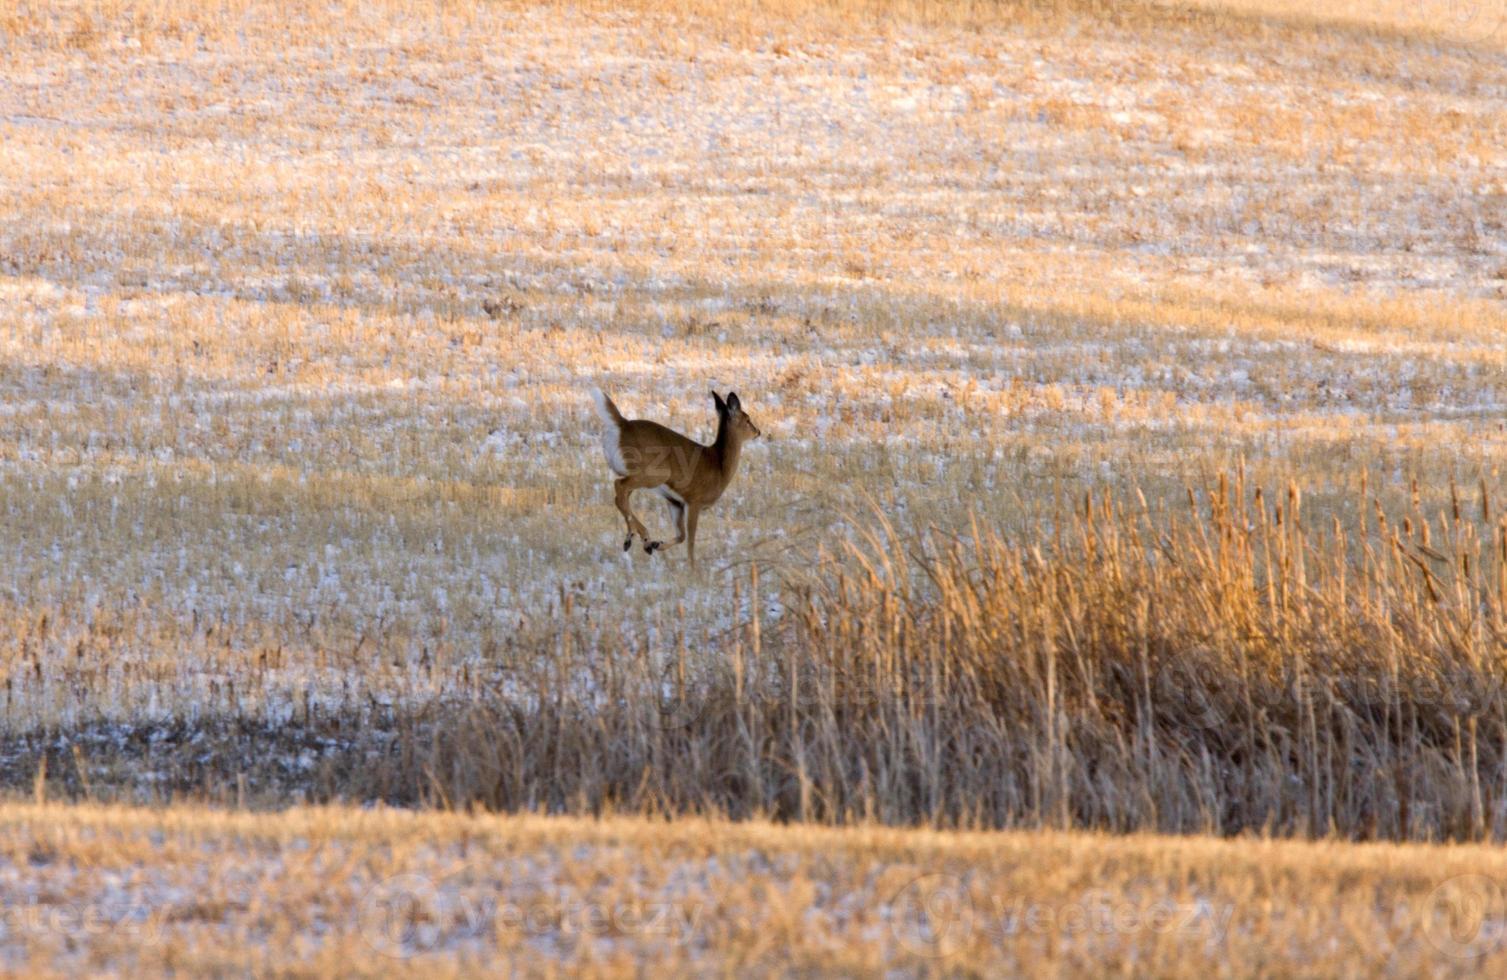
x,y
381,893
1134,388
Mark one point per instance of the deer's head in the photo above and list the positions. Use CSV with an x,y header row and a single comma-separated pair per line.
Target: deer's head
x,y
730,413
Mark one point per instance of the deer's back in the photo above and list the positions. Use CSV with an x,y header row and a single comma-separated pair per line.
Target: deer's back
x,y
651,450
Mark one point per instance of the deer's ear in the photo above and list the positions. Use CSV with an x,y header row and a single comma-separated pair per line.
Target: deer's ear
x,y
721,405
732,400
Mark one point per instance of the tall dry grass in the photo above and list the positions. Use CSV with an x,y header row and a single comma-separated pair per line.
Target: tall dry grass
x,y
1225,667
1225,670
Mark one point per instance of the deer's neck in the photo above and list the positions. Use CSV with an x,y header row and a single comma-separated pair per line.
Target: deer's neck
x,y
725,450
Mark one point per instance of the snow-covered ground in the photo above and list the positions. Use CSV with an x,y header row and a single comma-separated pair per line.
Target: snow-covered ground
x,y
298,321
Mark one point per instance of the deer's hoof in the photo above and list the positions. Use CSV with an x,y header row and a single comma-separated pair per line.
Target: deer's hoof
x,y
628,543
652,546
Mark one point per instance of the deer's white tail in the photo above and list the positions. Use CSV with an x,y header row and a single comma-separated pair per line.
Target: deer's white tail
x,y
612,427
605,408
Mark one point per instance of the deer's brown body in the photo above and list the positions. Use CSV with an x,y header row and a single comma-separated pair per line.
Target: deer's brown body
x,y
690,476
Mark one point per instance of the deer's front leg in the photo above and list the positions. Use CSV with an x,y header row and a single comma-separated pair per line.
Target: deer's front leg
x,y
692,516
679,508
678,505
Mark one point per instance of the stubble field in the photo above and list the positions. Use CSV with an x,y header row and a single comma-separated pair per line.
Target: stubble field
x,y
1133,384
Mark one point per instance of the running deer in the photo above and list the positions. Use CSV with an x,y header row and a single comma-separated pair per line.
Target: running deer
x,y
646,455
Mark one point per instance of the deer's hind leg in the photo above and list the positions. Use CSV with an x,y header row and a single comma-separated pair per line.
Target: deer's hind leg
x,y
622,488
